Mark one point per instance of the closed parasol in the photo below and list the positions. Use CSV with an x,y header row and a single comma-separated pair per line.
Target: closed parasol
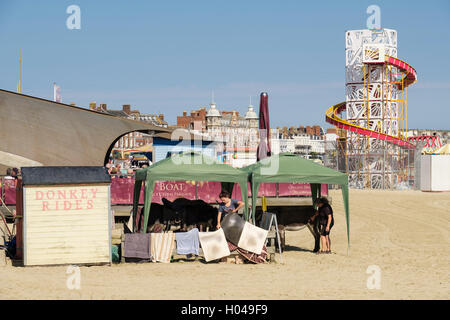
x,y
264,128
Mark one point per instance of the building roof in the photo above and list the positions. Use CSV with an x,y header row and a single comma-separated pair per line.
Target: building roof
x,y
251,114
117,113
213,112
152,118
181,134
136,115
61,175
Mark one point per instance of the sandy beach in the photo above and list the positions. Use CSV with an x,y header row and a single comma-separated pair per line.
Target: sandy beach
x,y
404,233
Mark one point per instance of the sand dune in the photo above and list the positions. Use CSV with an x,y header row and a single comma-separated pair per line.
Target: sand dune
x,y
404,233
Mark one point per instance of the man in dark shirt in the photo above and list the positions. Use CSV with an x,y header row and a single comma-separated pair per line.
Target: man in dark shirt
x,y
228,205
326,222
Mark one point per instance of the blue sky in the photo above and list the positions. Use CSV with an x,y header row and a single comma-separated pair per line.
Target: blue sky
x,y
167,56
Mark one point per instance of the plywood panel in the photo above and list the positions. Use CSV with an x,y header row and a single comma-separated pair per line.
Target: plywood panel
x,y
75,235
60,209
69,251
68,258
67,218
74,259
66,224
65,228
50,242
56,245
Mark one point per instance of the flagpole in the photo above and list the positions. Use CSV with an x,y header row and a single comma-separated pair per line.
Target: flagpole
x,y
20,70
19,86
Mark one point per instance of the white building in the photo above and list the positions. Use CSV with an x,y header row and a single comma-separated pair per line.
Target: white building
x,y
238,135
282,145
298,143
231,128
317,145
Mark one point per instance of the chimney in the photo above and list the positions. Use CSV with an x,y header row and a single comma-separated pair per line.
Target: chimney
x,y
126,108
317,130
161,117
103,106
184,113
93,106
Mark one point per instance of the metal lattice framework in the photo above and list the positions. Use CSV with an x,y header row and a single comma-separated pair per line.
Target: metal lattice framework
x,y
372,144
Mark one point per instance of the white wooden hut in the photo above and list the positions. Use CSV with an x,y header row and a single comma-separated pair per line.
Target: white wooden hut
x,y
66,215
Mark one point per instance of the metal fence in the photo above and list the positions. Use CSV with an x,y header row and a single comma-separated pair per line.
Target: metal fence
x,y
387,167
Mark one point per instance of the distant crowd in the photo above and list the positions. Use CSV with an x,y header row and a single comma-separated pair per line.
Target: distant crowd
x,y
12,174
124,168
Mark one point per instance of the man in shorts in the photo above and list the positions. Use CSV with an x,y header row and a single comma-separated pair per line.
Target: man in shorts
x,y
326,222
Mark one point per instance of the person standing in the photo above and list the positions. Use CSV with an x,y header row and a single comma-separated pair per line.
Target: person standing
x,y
15,173
326,221
130,161
228,205
9,174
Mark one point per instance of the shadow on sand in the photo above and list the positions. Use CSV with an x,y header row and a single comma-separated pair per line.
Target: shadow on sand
x,y
298,249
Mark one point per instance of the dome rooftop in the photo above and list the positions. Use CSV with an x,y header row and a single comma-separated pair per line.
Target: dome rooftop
x,y
213,112
251,114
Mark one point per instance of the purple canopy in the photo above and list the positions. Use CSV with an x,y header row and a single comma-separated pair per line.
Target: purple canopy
x,y
264,127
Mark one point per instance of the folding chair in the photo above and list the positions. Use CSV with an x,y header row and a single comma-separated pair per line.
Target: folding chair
x,y
269,220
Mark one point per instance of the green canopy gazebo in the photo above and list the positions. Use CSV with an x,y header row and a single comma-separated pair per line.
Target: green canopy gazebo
x,y
288,167
184,167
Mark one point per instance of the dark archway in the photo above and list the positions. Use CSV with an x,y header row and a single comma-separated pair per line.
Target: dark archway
x,y
111,147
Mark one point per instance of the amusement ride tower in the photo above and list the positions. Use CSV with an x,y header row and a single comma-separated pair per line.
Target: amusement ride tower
x,y
372,145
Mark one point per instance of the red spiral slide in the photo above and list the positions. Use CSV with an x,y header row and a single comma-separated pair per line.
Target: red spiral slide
x,y
331,115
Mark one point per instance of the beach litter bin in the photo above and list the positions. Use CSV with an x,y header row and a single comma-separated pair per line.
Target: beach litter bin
x,y
66,216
